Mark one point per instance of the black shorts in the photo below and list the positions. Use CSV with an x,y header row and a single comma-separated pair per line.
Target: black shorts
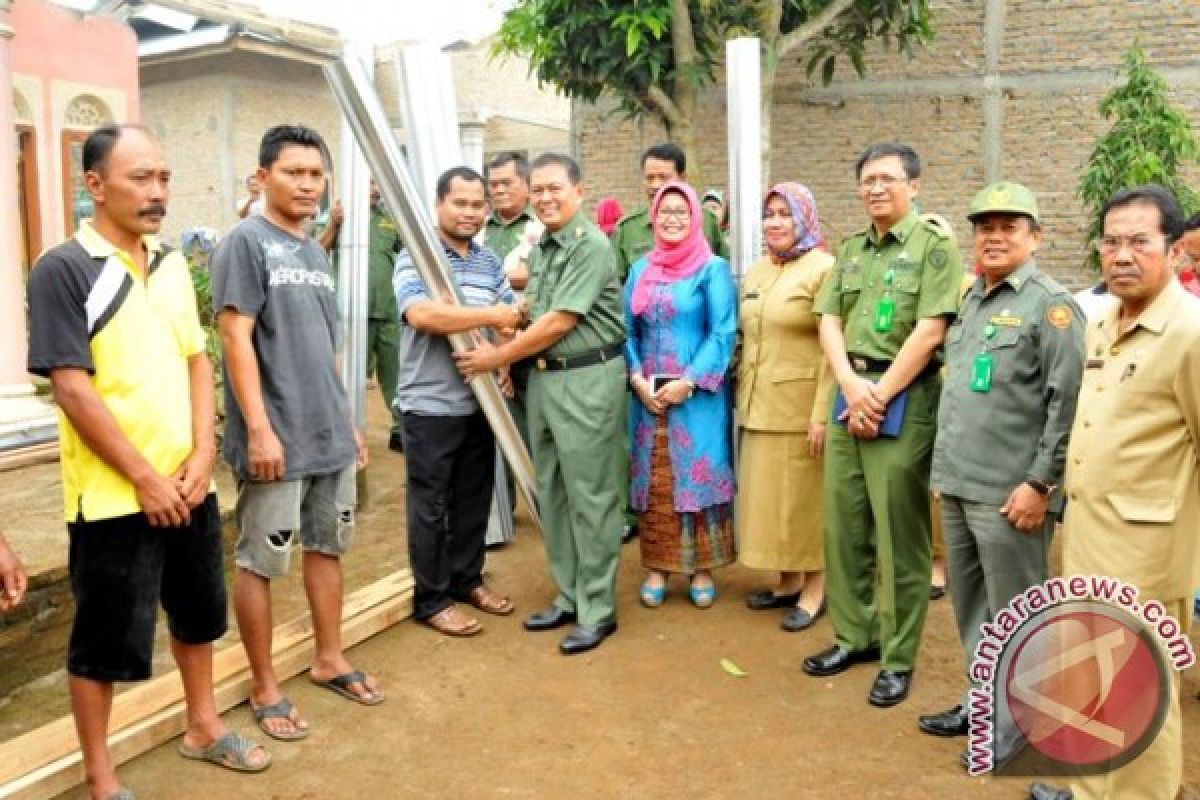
x,y
121,568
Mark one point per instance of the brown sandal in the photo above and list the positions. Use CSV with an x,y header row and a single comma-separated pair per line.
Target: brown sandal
x,y
491,602
452,622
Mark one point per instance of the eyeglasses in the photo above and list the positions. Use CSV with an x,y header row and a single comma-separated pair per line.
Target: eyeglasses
x,y
885,181
1140,243
676,213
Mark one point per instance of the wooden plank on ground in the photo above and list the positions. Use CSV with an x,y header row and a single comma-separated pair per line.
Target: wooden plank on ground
x,y
46,761
28,456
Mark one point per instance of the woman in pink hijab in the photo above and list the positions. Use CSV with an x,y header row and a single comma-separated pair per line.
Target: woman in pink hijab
x,y
608,213
681,320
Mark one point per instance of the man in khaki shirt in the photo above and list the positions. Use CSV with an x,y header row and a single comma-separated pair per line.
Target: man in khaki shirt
x,y
1132,481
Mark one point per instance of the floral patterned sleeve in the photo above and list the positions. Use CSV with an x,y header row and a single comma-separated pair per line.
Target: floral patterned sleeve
x,y
708,368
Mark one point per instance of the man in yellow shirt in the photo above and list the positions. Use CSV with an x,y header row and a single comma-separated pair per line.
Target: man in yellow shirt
x,y
113,324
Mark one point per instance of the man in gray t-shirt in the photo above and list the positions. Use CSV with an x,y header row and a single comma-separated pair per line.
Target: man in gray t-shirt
x,y
286,284
449,447
288,433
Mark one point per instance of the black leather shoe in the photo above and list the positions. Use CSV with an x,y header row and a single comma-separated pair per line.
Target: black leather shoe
x,y
947,723
765,599
798,619
584,637
396,443
1040,791
937,592
890,688
836,660
629,534
553,617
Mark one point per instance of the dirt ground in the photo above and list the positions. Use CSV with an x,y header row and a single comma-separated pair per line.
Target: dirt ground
x,y
649,714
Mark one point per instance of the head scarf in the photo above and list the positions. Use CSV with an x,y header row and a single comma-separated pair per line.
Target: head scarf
x,y
671,261
804,214
608,212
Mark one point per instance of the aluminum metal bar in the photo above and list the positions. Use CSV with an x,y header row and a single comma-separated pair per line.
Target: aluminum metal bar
x,y
743,74
353,189
361,107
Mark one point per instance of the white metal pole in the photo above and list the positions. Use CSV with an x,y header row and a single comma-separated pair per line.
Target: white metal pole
x,y
743,75
353,189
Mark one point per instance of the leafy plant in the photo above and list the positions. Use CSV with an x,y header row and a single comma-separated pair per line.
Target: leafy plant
x,y
1149,142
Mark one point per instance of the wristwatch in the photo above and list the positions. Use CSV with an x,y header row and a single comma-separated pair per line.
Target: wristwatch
x,y
1040,486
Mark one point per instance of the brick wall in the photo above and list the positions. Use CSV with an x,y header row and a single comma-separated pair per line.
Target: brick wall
x,y
1008,89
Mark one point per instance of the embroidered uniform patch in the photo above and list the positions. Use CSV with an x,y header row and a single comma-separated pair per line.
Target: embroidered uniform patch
x,y
1059,316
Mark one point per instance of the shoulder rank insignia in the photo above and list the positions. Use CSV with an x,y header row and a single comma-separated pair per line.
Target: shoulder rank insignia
x,y
938,258
1059,316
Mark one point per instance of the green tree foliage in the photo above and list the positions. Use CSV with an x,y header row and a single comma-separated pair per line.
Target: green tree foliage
x,y
654,56
1149,142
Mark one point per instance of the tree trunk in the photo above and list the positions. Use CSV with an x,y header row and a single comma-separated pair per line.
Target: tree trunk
x,y
769,70
683,42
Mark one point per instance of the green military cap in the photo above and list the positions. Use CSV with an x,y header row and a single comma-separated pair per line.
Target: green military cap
x,y
1005,197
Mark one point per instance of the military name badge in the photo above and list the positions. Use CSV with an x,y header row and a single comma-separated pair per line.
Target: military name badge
x,y
938,258
1059,316
1006,320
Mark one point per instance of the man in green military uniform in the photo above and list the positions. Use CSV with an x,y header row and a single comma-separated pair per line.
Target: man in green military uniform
x,y
1014,363
577,403
884,313
634,237
383,323
511,219
512,229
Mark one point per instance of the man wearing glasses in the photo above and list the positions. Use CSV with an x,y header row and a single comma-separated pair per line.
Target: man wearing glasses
x,y
1133,469
884,313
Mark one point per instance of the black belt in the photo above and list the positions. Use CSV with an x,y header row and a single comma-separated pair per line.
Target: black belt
x,y
865,364
598,356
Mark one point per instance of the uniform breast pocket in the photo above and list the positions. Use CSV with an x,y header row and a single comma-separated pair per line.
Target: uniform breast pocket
x,y
907,285
850,288
1007,349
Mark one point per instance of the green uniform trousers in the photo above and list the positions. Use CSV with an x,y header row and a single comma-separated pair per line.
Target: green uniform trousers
x,y
383,358
577,420
877,532
988,563
517,407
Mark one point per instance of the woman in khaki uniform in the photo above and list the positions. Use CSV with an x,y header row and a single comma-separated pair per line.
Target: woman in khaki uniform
x,y
783,397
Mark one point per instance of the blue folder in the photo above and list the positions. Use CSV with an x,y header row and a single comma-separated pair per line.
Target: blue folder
x,y
892,419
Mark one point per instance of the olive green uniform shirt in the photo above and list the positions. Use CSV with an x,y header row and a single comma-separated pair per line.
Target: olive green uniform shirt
x,y
989,442
633,237
572,270
383,245
915,263
502,237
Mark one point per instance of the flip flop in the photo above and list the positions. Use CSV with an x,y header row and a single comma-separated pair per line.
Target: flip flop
x,y
340,684
229,751
281,710
121,794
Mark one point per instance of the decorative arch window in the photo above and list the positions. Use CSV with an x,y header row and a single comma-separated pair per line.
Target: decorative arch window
x,y
84,114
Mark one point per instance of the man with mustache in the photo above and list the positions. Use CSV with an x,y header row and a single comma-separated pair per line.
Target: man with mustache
x,y
1133,467
113,325
289,435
